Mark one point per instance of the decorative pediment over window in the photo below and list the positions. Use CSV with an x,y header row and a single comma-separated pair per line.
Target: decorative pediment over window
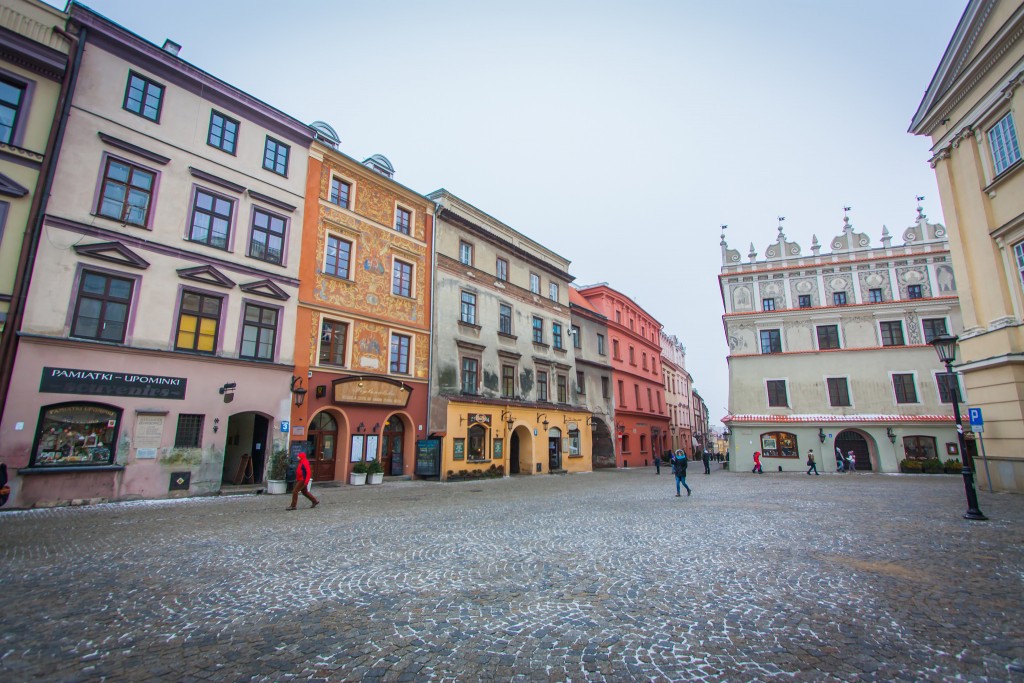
x,y
10,188
208,275
115,252
265,288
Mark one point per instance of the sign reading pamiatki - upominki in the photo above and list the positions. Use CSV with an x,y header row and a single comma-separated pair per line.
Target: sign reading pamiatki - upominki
x,y
104,383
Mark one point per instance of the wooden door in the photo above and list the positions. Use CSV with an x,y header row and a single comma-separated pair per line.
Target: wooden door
x,y
323,446
393,457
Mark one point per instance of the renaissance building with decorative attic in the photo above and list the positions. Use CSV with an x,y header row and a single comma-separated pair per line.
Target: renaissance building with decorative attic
x,y
830,351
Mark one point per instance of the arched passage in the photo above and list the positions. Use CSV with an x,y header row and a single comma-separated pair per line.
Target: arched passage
x,y
603,449
520,452
862,447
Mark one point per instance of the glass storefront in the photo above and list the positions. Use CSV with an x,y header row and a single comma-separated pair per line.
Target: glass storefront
x,y
76,434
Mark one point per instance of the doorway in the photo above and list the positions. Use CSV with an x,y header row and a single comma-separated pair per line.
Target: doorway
x,y
246,441
603,452
554,449
323,441
393,455
513,453
852,441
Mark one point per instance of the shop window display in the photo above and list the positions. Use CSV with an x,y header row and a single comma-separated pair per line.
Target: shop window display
x,y
779,445
76,434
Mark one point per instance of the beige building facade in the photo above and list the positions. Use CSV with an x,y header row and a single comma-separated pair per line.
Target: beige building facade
x,y
678,392
973,112
831,351
156,350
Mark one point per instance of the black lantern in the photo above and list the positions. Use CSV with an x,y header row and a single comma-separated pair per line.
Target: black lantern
x,y
821,435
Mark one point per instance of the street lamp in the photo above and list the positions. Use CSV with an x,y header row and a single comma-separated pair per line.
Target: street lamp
x,y
945,346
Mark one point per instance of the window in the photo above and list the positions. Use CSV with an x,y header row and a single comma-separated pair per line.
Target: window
x,y
198,322
650,401
468,313
538,330
126,192
771,341
892,333
275,156
577,342
903,384
508,381
340,192
556,335
839,298
143,97
466,253
401,279
563,389
768,304
542,386
336,257
535,283
333,342
643,361
777,393
875,296
581,387
948,383
779,445
933,327
1002,139
501,269
469,375
553,291
632,355
403,220
259,332
605,388
615,349
223,132
476,449
76,434
838,391
101,311
190,432
211,219
267,238
504,319
913,291
919,447
828,337
11,98
600,345
804,300
622,393
636,395
400,354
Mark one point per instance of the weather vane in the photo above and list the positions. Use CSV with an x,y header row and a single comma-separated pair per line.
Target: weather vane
x,y
781,218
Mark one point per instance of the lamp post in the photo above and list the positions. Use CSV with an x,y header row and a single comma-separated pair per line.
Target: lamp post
x,y
945,346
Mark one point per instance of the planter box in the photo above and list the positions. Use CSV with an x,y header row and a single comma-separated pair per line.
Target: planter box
x,y
375,478
357,479
277,486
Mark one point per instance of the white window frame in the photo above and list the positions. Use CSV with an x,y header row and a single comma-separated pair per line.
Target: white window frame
x,y
767,396
534,280
392,333
412,219
849,390
470,250
553,291
348,340
351,190
1008,144
353,246
412,278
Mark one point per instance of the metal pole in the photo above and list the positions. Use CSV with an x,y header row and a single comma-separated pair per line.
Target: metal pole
x,y
973,512
984,458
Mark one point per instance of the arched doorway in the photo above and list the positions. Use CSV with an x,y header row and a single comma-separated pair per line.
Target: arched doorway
x,y
393,454
850,440
554,449
603,449
323,441
520,456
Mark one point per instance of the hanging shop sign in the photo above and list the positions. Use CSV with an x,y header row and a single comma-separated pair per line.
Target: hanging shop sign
x,y
103,383
366,391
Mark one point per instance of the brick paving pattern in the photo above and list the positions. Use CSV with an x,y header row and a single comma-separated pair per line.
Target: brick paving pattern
x,y
590,577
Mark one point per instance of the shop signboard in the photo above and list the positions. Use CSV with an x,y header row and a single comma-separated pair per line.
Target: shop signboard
x,y
104,383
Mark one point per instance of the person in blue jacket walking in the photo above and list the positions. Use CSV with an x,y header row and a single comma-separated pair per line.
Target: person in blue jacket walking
x,y
679,469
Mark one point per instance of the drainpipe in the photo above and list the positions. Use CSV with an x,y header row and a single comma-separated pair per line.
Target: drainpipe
x,y
433,296
34,225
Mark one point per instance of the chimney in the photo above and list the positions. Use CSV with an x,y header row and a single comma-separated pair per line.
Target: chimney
x,y
172,47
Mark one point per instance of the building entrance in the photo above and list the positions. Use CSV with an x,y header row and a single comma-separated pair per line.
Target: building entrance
x,y
852,441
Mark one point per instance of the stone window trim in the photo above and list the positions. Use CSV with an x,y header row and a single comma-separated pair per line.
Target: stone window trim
x,y
842,391
1003,143
101,180
349,275
470,361
466,253
901,386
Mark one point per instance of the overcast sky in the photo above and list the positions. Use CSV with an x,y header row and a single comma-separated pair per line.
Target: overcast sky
x,y
620,135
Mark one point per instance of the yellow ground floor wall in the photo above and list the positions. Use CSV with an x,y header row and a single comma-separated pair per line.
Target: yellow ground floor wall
x,y
999,391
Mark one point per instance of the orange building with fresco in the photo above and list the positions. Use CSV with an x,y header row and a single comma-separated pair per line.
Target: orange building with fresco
x,y
362,350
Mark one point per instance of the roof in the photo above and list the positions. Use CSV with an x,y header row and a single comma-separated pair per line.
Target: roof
x,y
832,419
577,299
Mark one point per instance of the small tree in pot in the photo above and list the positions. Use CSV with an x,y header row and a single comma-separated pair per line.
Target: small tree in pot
x,y
374,472
278,472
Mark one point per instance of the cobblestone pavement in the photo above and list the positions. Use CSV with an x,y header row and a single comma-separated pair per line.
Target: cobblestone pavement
x,y
590,577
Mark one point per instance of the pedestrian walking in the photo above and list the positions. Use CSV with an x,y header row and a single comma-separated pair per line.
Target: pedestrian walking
x,y
679,469
840,461
657,464
851,462
757,462
303,475
811,465
706,457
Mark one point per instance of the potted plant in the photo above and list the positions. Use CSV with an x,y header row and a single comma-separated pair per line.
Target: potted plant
x,y
911,466
933,466
358,475
953,466
374,472
278,472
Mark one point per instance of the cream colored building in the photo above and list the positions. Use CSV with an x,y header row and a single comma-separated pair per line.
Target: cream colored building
x,y
678,392
156,349
504,394
973,111
831,350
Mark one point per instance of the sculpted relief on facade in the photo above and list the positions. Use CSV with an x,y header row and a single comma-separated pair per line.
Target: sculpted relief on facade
x,y
742,298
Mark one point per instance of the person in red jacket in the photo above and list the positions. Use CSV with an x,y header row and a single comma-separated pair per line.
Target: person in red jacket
x,y
757,462
303,475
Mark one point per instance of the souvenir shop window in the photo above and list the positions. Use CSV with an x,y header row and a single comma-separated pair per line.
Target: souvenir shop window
x,y
779,445
476,446
76,434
